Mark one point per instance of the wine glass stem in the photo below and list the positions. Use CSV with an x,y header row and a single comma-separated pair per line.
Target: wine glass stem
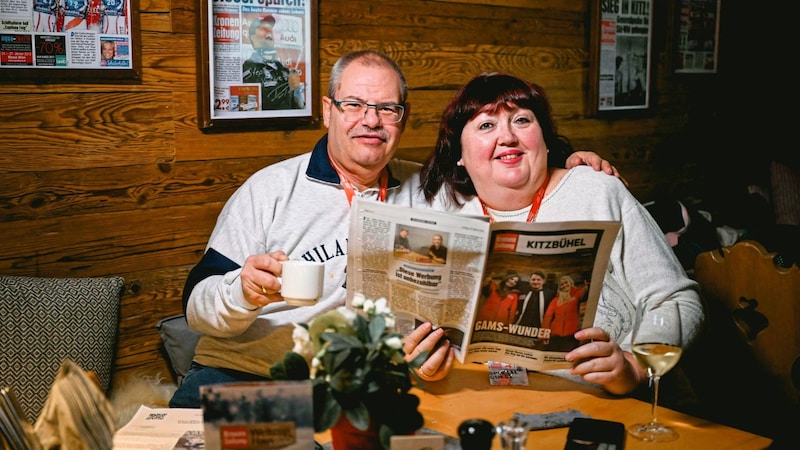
x,y
654,406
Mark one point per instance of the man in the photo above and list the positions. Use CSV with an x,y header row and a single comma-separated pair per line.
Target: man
x,y
534,298
280,87
299,208
401,243
437,251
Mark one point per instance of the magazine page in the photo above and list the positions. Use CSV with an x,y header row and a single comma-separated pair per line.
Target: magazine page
x,y
427,264
541,285
161,429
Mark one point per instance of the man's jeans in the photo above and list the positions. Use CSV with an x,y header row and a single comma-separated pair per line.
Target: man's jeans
x,y
188,393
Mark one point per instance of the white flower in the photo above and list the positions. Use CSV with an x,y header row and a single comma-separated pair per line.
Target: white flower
x,y
369,306
394,343
315,365
382,307
302,342
348,313
358,300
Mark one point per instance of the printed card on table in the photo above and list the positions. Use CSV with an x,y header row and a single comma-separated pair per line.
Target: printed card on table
x,y
258,415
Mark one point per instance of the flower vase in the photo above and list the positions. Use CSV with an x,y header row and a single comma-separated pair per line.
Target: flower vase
x,y
345,436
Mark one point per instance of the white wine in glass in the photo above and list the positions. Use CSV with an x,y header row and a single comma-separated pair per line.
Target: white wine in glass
x,y
657,347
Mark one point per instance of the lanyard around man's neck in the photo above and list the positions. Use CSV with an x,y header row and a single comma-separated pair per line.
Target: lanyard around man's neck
x,y
350,191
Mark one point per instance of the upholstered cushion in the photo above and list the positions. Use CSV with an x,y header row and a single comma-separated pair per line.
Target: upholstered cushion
x,y
46,320
785,192
179,342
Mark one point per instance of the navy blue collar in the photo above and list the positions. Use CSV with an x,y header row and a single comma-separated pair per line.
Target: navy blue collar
x,y
320,168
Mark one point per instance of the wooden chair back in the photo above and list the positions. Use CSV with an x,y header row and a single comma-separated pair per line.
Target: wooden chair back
x,y
741,285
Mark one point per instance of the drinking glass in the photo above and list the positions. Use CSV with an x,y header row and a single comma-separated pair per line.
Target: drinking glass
x,y
657,347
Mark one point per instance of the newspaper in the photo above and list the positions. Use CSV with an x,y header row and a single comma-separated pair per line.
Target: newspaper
x,y
698,36
161,429
625,35
460,288
57,34
251,81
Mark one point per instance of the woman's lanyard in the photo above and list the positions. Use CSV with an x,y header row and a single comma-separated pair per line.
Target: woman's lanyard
x,y
350,191
537,202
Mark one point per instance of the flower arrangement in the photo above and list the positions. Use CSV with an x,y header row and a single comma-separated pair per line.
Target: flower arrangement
x,y
357,365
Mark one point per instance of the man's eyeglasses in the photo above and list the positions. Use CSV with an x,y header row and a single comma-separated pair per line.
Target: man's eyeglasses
x,y
355,110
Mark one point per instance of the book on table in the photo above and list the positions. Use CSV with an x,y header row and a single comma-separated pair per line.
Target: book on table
x,y
471,291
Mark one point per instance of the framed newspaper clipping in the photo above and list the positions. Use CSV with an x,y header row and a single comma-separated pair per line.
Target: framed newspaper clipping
x,y
697,36
70,41
620,55
257,65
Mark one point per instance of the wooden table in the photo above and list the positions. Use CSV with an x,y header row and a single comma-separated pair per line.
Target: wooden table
x,y
412,256
466,393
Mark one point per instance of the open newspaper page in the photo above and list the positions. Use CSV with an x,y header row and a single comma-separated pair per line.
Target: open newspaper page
x,y
440,285
474,279
541,285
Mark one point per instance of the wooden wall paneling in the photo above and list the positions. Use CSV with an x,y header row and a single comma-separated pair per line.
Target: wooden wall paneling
x,y
452,23
81,108
149,297
104,144
183,16
63,193
571,5
107,243
169,51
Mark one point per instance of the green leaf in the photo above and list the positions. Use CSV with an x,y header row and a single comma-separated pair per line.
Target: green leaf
x,y
326,409
296,366
377,326
358,416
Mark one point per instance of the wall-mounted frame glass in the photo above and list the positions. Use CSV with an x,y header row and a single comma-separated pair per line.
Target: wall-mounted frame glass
x,y
697,47
257,64
73,41
620,55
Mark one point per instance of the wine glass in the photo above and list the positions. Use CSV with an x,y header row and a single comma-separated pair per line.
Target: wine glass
x,y
657,346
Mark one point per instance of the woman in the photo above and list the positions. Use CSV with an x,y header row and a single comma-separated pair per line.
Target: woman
x,y
500,301
495,138
562,316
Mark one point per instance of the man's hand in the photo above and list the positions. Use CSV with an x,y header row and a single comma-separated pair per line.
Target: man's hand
x,y
585,157
259,277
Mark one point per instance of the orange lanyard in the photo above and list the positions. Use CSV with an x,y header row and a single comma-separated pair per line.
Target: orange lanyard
x,y
537,202
350,191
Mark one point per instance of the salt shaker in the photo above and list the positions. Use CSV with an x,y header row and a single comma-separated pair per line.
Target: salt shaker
x,y
513,434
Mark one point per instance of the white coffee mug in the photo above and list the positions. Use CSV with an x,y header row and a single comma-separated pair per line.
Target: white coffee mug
x,y
302,282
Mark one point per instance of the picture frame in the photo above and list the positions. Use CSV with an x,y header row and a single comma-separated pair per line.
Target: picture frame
x,y
258,65
697,25
64,42
620,56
